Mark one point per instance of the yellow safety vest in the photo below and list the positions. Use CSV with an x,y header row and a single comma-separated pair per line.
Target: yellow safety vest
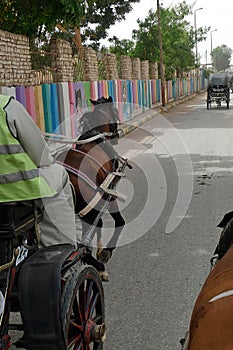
x,y
19,175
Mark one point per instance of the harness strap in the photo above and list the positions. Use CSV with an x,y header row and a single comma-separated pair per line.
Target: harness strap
x,y
97,197
104,187
93,159
78,173
225,294
95,200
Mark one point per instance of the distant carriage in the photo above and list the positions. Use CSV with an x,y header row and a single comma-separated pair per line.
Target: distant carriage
x,y
218,89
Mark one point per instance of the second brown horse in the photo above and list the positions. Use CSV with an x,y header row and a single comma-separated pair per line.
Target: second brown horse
x,y
211,325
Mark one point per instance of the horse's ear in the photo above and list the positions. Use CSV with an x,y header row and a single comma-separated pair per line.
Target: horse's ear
x,y
110,99
93,102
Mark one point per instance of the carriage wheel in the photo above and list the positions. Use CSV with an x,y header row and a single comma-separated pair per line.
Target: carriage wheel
x,y
82,310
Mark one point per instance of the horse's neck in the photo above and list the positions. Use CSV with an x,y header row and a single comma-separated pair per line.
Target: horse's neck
x,y
106,147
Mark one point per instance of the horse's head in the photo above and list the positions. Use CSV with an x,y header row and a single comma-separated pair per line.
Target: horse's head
x,y
104,118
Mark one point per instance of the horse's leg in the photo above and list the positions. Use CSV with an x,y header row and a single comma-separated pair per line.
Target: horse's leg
x,y
89,259
106,253
98,234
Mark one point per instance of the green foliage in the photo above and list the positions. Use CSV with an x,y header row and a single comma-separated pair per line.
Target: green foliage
x,y
207,73
36,19
221,57
121,47
178,37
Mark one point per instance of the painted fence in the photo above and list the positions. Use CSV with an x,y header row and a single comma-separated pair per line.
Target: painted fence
x,y
56,108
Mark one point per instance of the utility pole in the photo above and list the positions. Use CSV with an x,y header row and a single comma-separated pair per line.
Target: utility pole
x,y
211,46
161,56
211,41
195,27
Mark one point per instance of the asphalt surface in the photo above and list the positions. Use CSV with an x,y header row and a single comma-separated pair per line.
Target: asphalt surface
x,y
178,190
183,160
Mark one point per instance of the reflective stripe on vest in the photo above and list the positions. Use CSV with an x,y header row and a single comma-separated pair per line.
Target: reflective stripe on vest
x,y
11,149
19,175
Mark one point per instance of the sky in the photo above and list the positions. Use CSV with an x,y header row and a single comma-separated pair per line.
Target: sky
x,y
215,13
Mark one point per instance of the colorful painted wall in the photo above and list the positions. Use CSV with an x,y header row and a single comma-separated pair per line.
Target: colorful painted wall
x,y
56,108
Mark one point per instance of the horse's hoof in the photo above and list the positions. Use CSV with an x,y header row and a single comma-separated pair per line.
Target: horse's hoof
x,y
104,276
98,253
103,255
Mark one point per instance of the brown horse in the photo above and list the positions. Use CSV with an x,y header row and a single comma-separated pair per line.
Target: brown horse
x,y
94,169
212,317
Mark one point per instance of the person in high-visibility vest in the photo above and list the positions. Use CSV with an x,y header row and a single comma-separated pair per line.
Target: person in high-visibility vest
x,y
28,172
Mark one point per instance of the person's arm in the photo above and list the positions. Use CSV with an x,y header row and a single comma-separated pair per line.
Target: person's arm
x,y
28,134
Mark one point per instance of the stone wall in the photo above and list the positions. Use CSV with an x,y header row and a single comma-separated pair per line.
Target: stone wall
x,y
15,60
111,70
154,73
145,74
61,60
89,64
136,68
16,65
126,67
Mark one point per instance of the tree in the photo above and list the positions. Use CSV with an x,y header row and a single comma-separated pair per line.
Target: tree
x,y
178,38
221,57
36,19
121,47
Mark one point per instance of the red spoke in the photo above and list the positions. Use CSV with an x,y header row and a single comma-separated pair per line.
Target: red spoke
x,y
93,304
90,287
79,346
75,341
76,311
97,318
80,304
77,326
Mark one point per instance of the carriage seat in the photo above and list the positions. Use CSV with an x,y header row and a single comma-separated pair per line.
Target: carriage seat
x,y
17,217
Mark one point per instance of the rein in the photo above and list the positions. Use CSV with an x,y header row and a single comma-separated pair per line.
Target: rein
x,y
78,173
102,189
68,140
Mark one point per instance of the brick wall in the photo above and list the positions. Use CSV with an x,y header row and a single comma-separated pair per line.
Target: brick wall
x,y
62,60
145,74
111,70
126,67
16,66
136,68
15,60
89,64
154,71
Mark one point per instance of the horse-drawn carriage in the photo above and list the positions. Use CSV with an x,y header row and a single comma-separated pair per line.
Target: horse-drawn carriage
x,y
218,89
60,297
58,289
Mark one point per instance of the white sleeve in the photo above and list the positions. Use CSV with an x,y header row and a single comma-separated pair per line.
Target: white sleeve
x,y
28,134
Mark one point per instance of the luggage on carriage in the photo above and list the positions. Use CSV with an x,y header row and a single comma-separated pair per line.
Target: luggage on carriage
x,y
218,89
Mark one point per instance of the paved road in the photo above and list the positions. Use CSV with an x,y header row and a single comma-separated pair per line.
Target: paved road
x,y
183,167
177,192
